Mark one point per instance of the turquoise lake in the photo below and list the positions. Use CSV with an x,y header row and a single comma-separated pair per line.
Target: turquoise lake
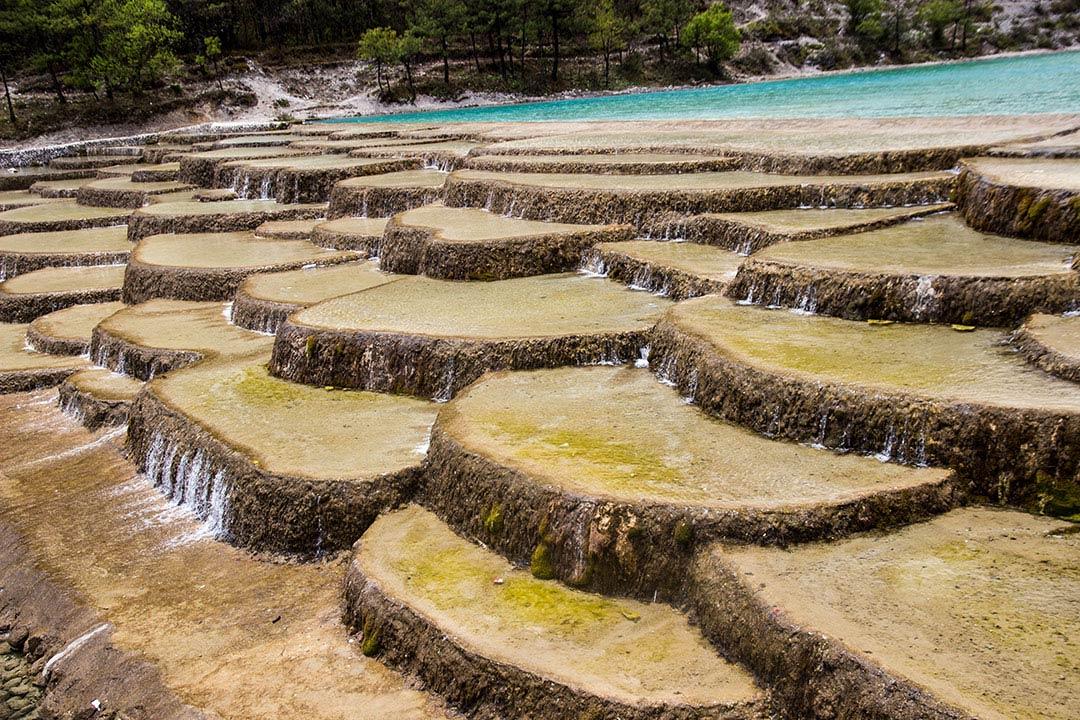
x,y
1043,83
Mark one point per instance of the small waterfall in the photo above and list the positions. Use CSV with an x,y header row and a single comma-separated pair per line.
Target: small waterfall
x,y
667,370
593,265
447,390
823,428
69,406
749,299
190,482
773,428
777,300
925,297
643,357
806,302
691,387
887,450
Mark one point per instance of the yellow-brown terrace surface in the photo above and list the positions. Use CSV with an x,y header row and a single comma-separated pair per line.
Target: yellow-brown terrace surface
x,y
940,612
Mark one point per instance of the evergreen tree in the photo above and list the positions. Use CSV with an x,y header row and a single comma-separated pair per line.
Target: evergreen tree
x,y
713,32
606,32
441,21
380,46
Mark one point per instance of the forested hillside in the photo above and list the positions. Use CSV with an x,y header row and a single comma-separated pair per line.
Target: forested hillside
x,y
91,61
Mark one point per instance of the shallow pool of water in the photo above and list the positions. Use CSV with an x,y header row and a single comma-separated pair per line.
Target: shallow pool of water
x,y
1026,84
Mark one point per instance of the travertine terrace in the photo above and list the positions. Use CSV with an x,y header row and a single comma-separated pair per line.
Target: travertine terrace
x,y
748,419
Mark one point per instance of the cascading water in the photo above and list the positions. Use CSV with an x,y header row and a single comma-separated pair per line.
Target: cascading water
x,y
191,482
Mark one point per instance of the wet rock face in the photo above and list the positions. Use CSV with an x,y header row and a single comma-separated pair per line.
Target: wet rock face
x,y
298,184
378,201
865,603
224,216
746,234
443,252
1004,452
642,208
1012,206
500,649
431,338
855,295
20,691
431,367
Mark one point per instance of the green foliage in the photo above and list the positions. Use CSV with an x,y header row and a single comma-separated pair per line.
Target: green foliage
x,y
381,46
211,57
369,645
541,564
938,15
441,21
607,31
493,522
384,46
714,33
109,44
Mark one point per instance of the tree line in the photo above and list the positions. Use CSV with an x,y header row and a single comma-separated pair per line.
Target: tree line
x,y
109,46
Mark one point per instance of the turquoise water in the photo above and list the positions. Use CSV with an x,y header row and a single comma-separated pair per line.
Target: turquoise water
x,y
1028,84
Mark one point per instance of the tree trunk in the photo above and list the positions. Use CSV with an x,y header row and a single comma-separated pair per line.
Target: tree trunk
x,y
378,74
607,66
58,88
554,48
409,80
475,52
445,62
7,96
963,32
524,24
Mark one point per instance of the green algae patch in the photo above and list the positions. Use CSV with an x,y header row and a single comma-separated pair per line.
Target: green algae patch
x,y
299,430
617,433
979,607
928,360
1057,498
608,458
541,564
617,649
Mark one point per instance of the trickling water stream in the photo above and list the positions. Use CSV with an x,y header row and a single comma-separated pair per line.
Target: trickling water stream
x,y
195,607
